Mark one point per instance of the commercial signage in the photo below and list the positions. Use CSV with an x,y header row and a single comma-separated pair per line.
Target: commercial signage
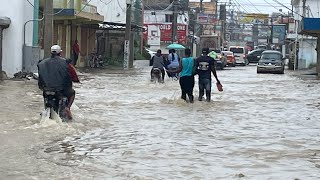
x,y
154,35
165,33
279,33
254,18
206,18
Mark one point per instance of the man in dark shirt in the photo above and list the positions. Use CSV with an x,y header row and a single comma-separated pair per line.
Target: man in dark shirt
x,y
203,67
54,73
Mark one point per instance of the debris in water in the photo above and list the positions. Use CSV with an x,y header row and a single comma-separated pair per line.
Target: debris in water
x,y
241,175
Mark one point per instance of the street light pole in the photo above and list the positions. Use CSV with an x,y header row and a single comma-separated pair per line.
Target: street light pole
x,y
174,22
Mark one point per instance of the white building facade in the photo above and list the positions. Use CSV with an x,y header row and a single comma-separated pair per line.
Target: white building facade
x,y
307,44
113,11
19,12
159,28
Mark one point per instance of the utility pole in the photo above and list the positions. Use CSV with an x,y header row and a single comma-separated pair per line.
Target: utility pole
x,y
174,22
304,8
48,27
318,56
216,17
128,60
296,50
201,11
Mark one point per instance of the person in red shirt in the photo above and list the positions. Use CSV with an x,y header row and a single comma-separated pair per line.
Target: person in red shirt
x,y
74,78
76,52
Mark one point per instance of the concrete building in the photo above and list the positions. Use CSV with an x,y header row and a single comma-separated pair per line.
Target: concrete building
x,y
70,20
307,54
158,20
111,37
19,12
22,49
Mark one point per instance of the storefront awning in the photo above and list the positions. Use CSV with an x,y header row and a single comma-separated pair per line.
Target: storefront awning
x,y
310,26
80,16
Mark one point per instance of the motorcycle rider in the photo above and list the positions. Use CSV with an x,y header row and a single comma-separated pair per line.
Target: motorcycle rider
x,y
54,73
173,60
158,61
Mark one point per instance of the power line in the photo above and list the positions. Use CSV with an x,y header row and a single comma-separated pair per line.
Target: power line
x,y
254,6
241,6
48,14
105,2
83,7
287,8
272,5
124,10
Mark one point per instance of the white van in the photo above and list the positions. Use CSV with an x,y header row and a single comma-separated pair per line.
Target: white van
x,y
239,54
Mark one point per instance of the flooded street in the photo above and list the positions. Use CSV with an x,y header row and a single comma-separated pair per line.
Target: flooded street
x,y
263,126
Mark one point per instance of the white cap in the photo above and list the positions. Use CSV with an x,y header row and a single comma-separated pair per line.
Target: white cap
x,y
56,49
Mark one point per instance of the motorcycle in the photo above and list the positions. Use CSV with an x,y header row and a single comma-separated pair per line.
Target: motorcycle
x,y
54,101
156,75
96,61
174,76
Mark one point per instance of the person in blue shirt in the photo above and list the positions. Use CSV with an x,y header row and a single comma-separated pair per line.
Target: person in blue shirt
x,y
186,76
204,65
173,60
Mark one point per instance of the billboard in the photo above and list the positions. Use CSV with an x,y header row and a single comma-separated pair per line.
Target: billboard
x,y
253,18
164,32
279,33
153,35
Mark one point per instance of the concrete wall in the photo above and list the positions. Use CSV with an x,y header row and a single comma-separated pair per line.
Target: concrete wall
x,y
160,17
113,11
307,53
313,8
19,12
307,44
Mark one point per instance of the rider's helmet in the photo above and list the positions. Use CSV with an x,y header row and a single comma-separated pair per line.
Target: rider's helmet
x,y
55,49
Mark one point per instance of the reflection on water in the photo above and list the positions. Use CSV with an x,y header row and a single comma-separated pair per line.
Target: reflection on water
x,y
261,127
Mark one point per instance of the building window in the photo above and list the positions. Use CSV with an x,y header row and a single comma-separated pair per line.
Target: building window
x,y
169,17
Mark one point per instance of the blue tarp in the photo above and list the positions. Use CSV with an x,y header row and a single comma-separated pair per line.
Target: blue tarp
x,y
310,26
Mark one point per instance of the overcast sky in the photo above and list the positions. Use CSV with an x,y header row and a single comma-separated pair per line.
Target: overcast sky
x,y
258,6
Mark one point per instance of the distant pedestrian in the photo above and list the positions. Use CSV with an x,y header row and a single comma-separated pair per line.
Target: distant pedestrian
x,y
76,52
204,66
186,76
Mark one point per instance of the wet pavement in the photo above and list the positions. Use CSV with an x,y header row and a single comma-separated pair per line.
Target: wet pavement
x,y
263,126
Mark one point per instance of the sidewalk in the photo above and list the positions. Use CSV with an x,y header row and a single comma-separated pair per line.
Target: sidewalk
x,y
305,73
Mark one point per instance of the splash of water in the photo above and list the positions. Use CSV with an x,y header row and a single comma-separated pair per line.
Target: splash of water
x,y
47,121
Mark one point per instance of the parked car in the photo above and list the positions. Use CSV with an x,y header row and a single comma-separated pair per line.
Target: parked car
x,y
271,61
231,61
239,54
254,56
152,53
262,46
221,60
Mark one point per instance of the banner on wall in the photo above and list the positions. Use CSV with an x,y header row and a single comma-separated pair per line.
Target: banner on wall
x,y
153,35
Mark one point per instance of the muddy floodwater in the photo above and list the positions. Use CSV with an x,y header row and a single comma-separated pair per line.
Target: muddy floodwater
x,y
262,126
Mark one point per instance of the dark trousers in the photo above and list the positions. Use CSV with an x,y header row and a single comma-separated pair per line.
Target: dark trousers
x,y
187,84
205,85
75,58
